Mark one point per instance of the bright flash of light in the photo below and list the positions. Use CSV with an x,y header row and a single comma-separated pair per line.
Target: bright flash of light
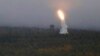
x,y
61,15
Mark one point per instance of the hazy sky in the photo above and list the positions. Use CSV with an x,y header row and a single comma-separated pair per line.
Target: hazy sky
x,y
86,14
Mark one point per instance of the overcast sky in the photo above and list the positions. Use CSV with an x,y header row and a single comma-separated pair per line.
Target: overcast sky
x,y
85,15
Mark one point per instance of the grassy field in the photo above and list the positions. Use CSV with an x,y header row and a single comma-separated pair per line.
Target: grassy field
x,y
45,42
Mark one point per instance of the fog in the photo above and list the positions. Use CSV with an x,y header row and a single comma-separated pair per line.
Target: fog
x,y
41,13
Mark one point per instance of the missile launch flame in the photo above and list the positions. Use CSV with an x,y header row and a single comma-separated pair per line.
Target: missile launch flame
x,y
61,15
63,29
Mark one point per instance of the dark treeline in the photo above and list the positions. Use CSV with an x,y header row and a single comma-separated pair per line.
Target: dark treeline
x,y
24,41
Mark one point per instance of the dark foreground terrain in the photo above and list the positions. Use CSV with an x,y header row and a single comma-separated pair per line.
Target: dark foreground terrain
x,y
45,42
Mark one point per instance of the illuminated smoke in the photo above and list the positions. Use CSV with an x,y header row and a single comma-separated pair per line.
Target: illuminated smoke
x,y
63,29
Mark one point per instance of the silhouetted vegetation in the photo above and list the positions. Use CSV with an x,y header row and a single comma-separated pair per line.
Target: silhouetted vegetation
x,y
23,41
